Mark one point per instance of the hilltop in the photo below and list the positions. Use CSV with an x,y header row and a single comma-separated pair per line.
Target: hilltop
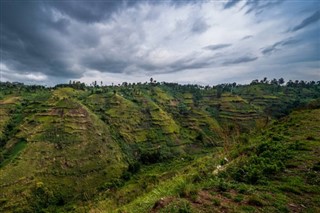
x,y
160,147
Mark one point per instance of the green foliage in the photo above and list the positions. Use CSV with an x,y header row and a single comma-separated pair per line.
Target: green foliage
x,y
9,155
179,206
216,202
78,148
256,201
187,190
238,198
11,127
223,186
151,156
269,159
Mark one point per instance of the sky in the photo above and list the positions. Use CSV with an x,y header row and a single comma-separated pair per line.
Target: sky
x,y
188,42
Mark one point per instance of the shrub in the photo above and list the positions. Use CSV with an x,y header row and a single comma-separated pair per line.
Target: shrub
x,y
216,202
223,186
255,201
238,198
155,156
187,190
268,159
43,197
134,167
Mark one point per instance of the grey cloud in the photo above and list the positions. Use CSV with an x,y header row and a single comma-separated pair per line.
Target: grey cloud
x,y
259,6
217,46
63,40
290,42
35,39
244,59
278,45
199,26
105,64
189,64
269,50
306,22
60,25
231,3
90,11
27,40
192,61
247,37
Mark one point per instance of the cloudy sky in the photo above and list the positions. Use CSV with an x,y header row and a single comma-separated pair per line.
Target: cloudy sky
x,y
185,41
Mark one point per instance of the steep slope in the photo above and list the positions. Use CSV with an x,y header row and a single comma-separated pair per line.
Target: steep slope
x,y
122,148
68,154
147,122
275,170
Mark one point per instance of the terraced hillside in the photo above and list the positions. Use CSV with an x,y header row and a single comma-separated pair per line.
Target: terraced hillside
x,y
76,148
65,152
274,170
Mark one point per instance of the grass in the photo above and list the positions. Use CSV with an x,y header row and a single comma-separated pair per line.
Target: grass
x,y
251,195
13,152
127,150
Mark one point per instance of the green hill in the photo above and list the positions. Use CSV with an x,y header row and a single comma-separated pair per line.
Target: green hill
x,y
160,147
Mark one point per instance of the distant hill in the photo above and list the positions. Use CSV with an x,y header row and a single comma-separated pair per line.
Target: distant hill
x,y
160,147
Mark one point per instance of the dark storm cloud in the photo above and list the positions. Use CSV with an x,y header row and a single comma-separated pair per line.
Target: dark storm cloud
x,y
26,41
231,3
27,44
244,59
33,36
306,22
278,45
217,46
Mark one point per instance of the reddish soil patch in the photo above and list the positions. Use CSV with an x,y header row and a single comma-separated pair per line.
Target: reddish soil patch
x,y
160,204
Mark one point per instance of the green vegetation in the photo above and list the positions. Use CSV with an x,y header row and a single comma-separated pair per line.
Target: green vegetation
x,y
160,147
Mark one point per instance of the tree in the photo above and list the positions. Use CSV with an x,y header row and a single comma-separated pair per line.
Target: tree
x,y
254,82
265,80
274,81
281,81
219,91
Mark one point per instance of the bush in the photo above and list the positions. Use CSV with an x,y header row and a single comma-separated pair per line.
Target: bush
x,y
134,167
43,197
268,159
187,190
238,198
223,186
155,156
255,201
216,202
